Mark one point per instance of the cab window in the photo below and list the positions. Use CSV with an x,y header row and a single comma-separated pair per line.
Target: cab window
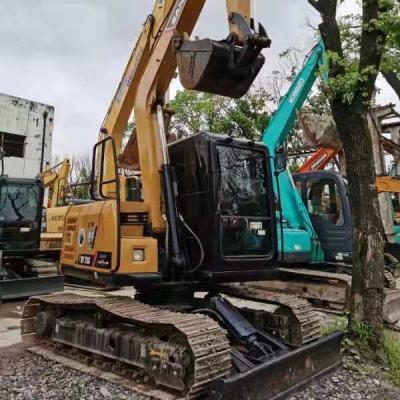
x,y
324,202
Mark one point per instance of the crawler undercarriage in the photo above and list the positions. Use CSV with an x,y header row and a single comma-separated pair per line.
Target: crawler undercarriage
x,y
208,348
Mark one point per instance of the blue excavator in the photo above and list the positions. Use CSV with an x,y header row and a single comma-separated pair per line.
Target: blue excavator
x,y
314,218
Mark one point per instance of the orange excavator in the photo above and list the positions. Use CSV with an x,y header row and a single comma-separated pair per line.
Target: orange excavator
x,y
321,158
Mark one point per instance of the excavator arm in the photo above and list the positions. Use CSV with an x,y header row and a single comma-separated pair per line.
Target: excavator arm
x,y
56,179
121,106
294,214
319,160
162,48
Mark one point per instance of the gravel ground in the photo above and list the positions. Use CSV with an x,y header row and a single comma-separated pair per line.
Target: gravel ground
x,y
25,376
347,385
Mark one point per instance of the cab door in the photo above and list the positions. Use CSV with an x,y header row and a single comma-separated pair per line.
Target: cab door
x,y
325,195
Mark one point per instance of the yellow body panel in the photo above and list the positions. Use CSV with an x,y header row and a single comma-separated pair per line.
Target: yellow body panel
x,y
150,263
52,238
55,217
50,241
91,240
388,184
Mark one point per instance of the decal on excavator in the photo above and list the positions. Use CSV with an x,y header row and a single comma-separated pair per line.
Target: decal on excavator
x,y
127,82
91,237
103,259
176,13
81,237
297,90
85,259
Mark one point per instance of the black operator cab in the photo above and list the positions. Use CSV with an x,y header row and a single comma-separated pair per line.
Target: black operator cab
x,y
20,216
226,199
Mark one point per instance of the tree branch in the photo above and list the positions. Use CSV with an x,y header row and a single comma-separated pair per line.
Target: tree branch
x,y
327,7
329,30
372,47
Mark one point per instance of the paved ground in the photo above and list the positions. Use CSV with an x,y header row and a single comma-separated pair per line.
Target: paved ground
x,y
10,314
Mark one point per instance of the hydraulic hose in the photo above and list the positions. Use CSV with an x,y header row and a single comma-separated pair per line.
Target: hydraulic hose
x,y
201,248
280,215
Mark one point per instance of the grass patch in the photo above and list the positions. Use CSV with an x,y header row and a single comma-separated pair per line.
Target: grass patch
x,y
392,351
359,356
339,324
362,335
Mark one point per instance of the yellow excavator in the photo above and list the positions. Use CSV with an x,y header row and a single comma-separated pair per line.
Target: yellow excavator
x,y
56,180
205,225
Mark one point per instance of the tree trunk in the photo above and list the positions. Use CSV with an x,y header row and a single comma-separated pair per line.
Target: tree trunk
x,y
351,120
393,80
368,237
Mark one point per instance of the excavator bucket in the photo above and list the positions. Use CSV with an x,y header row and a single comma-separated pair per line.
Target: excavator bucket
x,y
209,66
225,67
277,378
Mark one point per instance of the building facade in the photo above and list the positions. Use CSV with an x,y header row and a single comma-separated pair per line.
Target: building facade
x,y
26,133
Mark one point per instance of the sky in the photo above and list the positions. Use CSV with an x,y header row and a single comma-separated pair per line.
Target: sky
x,y
71,53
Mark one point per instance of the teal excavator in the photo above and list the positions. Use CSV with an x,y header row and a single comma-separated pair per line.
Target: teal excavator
x,y
314,218
298,241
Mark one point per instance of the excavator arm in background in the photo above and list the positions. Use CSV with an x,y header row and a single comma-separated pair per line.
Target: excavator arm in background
x,y
323,156
321,132
56,179
319,160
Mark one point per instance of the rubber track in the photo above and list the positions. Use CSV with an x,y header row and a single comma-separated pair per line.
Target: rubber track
x,y
207,340
308,319
344,280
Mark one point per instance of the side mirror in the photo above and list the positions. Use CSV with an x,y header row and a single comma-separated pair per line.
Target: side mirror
x,y
280,160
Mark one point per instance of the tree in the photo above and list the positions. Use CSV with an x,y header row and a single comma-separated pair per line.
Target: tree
x,y
391,58
81,167
350,28
195,111
351,87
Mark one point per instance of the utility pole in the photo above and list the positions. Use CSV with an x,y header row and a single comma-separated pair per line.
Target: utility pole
x,y
45,114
